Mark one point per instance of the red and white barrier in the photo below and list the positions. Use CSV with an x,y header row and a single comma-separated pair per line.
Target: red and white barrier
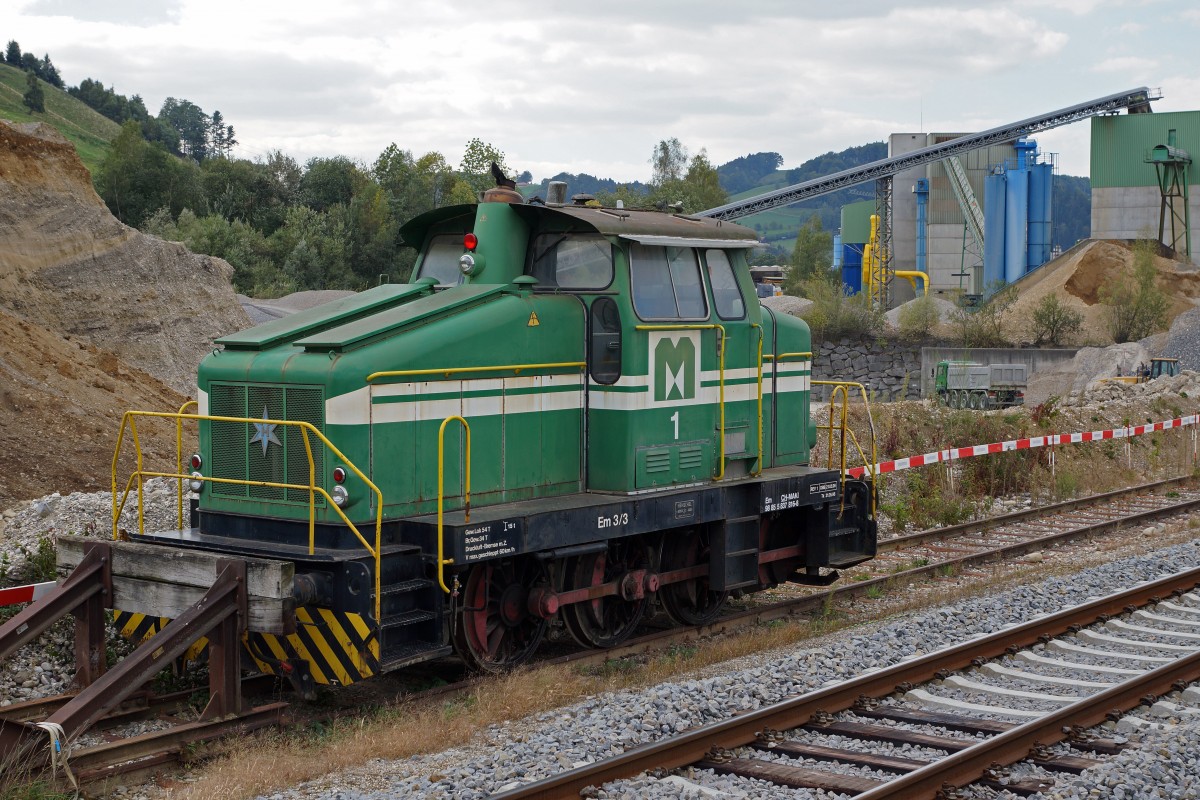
x,y
955,453
24,594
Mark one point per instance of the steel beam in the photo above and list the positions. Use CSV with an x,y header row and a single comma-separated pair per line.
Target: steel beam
x,y
1135,100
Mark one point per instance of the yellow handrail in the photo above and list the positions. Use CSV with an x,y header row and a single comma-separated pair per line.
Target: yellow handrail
x,y
179,456
442,560
721,362
130,419
840,387
397,373
761,336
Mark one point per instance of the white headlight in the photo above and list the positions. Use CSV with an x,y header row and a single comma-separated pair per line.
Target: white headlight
x,y
467,264
196,484
340,495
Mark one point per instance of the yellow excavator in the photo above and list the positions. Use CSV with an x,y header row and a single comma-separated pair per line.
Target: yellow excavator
x,y
1157,368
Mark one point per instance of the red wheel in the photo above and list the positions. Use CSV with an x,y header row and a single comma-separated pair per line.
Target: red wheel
x,y
494,630
606,621
689,602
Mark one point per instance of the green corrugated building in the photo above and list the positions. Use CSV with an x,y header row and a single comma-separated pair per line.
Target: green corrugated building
x,y
1126,199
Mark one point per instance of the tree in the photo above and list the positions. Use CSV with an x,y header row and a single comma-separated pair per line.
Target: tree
x,y
697,188
1136,306
192,124
12,55
669,160
34,99
1055,322
984,326
811,256
137,178
30,63
49,73
328,182
476,166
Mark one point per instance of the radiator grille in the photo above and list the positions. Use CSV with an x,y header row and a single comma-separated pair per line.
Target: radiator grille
x,y
691,457
242,451
658,460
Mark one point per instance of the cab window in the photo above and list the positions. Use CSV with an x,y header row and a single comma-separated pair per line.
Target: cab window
x,y
572,260
440,259
666,283
727,297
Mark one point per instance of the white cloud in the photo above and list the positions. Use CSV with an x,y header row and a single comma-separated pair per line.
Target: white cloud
x,y
591,87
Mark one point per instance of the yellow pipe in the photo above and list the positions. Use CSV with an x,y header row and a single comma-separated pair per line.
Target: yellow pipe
x,y
721,362
442,560
911,275
397,373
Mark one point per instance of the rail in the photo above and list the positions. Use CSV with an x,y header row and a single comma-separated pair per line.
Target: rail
x,y
842,388
129,420
441,553
721,365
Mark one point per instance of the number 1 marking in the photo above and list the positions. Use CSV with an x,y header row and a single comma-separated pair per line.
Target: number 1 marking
x,y
675,419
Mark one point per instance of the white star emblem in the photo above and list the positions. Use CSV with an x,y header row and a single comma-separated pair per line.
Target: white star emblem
x,y
265,432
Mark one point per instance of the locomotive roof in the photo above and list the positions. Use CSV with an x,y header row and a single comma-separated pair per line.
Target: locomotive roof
x,y
627,223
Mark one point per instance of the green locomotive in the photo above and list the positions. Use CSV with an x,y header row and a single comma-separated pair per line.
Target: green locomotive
x,y
570,412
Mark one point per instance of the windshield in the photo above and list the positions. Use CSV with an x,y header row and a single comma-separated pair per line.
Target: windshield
x,y
440,259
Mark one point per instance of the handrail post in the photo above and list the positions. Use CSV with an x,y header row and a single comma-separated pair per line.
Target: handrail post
x,y
179,457
761,460
441,552
141,494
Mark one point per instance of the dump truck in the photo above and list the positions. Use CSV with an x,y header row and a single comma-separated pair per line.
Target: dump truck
x,y
965,384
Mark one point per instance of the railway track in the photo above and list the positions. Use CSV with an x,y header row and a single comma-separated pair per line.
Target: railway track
x,y
918,555
966,708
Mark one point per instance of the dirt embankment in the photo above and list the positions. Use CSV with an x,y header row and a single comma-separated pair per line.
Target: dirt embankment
x,y
95,318
68,265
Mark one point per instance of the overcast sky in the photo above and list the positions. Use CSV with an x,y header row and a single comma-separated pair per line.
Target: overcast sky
x,y
591,87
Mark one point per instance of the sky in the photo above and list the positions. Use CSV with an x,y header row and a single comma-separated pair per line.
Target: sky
x,y
591,87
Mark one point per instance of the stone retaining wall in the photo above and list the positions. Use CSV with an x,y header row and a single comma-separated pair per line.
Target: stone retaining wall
x,y
890,369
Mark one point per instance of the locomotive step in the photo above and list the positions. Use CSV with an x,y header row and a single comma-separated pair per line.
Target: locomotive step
x,y
411,653
407,618
412,585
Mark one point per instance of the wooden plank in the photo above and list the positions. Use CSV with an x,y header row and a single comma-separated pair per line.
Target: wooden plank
x,y
265,578
792,777
856,757
158,599
953,722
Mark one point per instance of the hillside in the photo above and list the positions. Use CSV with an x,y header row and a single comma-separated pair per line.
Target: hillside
x,y
95,318
88,130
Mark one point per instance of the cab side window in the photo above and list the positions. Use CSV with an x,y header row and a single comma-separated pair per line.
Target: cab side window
x,y
727,297
439,259
572,260
666,283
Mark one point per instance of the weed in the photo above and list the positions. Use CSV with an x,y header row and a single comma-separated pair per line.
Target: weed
x,y
1044,413
875,592
1172,493
946,571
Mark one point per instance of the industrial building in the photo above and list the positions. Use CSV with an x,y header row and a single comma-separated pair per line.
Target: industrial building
x,y
1141,171
985,217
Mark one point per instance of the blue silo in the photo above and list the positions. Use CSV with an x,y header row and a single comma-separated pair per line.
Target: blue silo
x,y
993,228
1041,177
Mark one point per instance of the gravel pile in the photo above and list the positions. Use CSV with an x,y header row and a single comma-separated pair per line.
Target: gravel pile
x,y
608,724
1183,340
786,303
46,666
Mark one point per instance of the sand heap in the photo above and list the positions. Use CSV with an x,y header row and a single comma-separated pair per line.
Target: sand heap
x,y
95,318
68,265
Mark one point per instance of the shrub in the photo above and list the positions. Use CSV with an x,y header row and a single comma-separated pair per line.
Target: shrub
x,y
983,326
1136,306
1053,322
918,318
834,314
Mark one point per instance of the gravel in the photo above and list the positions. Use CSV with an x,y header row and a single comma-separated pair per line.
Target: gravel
x,y
608,724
